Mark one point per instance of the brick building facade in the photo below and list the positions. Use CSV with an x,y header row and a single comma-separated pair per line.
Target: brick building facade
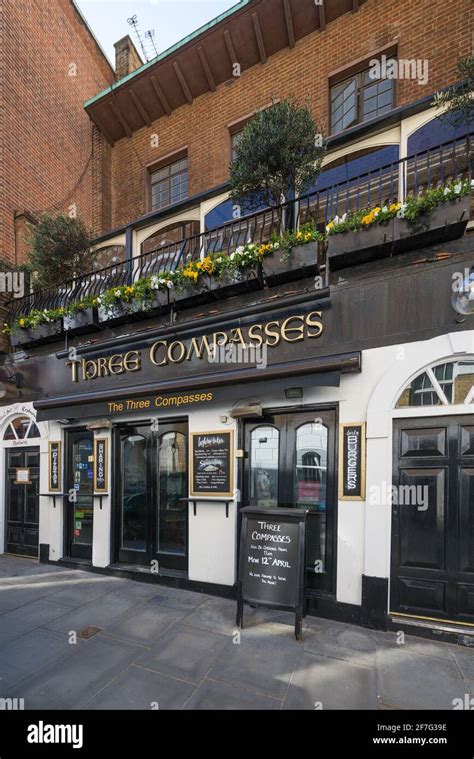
x,y
51,155
409,30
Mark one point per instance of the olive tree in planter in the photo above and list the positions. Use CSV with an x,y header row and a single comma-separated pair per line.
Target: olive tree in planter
x,y
60,250
278,157
457,100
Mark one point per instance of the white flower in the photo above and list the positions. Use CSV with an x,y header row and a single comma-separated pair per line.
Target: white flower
x,y
336,220
401,211
232,255
457,188
170,284
385,209
472,183
117,294
446,191
238,250
343,217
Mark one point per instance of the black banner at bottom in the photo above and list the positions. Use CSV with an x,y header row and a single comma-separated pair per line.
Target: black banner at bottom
x,y
375,733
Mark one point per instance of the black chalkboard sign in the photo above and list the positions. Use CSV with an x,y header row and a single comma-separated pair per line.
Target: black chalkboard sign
x,y
352,462
55,467
272,563
212,464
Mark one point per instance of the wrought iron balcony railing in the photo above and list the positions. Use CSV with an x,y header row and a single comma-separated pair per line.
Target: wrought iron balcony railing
x,y
389,183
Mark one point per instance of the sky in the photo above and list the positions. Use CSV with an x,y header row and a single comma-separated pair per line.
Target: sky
x,y
171,19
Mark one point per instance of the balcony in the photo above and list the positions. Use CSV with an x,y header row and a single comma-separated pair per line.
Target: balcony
x,y
417,201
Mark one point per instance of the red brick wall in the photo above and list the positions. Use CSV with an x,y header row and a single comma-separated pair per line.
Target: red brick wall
x,y
440,32
45,134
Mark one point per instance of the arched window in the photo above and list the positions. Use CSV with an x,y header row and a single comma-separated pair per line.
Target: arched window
x,y
444,384
173,233
21,428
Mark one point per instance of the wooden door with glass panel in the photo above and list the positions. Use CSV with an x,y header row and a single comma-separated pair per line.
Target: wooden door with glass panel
x,y
153,517
290,463
80,507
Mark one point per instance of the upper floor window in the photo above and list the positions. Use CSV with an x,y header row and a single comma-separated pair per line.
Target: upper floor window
x,y
359,98
169,184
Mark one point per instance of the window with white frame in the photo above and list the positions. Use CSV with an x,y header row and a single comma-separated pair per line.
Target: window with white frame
x,y
21,428
444,384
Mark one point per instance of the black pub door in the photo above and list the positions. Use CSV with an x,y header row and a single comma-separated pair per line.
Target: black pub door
x,y
290,463
433,518
152,517
22,502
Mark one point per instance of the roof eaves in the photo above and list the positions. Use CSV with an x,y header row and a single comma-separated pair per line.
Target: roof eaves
x,y
169,51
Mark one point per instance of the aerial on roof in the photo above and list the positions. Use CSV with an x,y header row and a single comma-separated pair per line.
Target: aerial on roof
x,y
247,34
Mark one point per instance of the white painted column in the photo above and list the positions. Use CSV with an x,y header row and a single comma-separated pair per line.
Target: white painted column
x,y
212,537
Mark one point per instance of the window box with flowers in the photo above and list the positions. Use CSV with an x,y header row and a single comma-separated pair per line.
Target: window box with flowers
x,y
239,272
293,256
190,286
139,300
438,215
81,321
36,328
360,237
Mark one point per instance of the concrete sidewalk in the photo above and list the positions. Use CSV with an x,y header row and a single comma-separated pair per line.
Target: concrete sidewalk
x,y
170,649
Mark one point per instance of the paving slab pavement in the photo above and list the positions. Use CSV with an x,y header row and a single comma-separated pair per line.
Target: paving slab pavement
x,y
155,647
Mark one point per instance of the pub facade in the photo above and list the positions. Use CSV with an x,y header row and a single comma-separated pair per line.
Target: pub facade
x,y
337,378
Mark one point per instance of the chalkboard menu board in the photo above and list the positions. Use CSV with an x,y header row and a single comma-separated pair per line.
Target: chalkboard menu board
x,y
101,448
272,566
55,467
352,462
212,464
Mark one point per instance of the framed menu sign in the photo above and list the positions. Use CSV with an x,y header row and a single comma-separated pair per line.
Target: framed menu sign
x,y
22,477
272,561
55,466
212,464
352,462
101,457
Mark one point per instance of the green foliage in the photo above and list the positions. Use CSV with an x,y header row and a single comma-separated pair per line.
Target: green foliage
x,y
459,98
217,265
414,206
59,250
280,151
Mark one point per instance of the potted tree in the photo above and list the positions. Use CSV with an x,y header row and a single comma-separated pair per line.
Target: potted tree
x,y
59,253
278,157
